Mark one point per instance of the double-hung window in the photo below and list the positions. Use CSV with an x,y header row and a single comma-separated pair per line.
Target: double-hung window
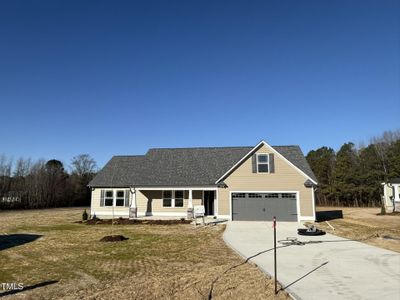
x,y
172,198
178,199
120,198
167,198
262,163
114,198
109,198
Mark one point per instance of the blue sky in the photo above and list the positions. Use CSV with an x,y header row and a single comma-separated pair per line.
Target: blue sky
x,y
119,77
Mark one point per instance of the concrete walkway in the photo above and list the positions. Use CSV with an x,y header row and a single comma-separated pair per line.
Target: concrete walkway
x,y
329,268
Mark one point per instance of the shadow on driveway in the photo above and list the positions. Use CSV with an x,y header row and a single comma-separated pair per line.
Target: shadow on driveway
x,y
13,240
305,275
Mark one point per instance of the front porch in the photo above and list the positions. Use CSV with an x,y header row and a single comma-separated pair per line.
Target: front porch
x,y
172,202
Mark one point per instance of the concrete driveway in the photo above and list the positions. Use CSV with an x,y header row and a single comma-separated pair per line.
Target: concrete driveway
x,y
329,268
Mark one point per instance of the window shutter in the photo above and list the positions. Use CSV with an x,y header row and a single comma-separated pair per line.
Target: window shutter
x,y
127,193
271,163
102,192
254,163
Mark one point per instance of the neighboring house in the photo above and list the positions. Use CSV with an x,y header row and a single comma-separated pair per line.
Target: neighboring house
x,y
238,183
391,195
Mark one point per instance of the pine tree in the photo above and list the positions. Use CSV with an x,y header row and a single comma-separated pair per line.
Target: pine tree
x,y
346,176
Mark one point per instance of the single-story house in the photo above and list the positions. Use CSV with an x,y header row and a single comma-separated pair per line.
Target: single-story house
x,y
237,183
391,195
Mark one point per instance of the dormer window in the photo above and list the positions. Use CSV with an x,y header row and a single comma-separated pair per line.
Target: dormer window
x,y
262,163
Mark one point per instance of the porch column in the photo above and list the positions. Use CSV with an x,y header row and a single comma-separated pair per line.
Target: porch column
x,y
190,205
133,207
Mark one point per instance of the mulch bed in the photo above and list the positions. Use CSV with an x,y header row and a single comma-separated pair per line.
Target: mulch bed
x,y
122,221
113,238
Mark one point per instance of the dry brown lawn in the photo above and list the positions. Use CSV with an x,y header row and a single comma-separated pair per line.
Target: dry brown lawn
x,y
366,225
156,262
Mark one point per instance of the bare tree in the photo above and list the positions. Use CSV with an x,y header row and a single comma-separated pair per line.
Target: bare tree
x,y
382,144
36,185
41,183
5,174
5,165
83,169
83,165
22,167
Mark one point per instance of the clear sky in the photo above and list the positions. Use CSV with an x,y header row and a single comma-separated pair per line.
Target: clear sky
x,y
119,77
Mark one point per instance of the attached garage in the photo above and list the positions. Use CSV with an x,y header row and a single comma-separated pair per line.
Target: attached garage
x,y
256,206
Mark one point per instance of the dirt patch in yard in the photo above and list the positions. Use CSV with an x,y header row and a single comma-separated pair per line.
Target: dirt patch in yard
x,y
365,225
113,238
179,261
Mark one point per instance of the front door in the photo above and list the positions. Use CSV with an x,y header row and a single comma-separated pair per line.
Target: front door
x,y
209,202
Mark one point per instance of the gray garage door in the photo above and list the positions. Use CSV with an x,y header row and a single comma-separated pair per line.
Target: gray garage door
x,y
264,206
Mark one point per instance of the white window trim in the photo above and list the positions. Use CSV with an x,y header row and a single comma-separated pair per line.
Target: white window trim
x,y
162,199
262,163
114,197
105,198
123,198
173,198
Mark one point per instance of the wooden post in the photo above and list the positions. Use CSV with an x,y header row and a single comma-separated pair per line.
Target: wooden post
x,y
275,271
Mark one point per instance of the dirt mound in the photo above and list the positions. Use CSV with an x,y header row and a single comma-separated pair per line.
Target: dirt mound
x,y
113,238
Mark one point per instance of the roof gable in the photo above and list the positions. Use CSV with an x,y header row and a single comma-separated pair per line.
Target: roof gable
x,y
291,154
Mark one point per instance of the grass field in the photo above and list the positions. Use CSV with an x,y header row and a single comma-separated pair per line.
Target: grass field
x,y
366,225
65,260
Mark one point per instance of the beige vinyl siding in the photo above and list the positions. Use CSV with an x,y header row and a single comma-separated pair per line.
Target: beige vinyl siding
x,y
147,202
145,198
285,178
107,210
151,202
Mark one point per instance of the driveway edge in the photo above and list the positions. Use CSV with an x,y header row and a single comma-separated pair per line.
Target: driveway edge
x,y
291,293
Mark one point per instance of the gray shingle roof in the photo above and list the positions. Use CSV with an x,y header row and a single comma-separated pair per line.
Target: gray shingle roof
x,y
182,166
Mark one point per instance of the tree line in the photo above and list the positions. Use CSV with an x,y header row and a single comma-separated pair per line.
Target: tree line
x,y
353,175
40,184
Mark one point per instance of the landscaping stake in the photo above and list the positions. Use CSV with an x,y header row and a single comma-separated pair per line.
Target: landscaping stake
x,y
276,281
330,225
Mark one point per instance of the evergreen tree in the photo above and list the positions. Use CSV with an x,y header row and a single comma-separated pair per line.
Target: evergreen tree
x,y
353,177
322,162
346,176
371,176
